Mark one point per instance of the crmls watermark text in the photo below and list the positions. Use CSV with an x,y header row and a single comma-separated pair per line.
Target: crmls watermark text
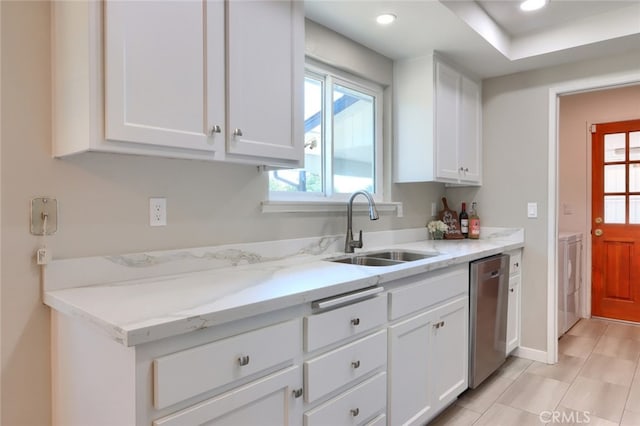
x,y
559,417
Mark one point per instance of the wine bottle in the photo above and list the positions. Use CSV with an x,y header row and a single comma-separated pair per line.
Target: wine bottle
x,y
474,223
464,221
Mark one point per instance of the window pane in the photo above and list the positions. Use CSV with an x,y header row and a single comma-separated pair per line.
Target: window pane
x,y
634,146
634,209
614,145
308,179
634,177
354,140
614,178
614,209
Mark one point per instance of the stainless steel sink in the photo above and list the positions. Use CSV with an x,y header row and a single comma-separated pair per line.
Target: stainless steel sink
x,y
382,258
401,255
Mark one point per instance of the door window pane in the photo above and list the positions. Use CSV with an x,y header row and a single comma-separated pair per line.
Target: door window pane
x,y
634,146
614,178
354,139
614,145
634,209
614,209
634,177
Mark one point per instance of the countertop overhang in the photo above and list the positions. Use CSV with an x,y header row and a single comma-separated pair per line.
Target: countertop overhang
x,y
236,282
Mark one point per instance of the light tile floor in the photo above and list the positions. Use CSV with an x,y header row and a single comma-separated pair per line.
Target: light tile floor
x,y
596,382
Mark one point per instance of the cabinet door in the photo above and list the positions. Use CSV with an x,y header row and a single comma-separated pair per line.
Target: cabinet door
x,y
410,377
267,401
513,314
450,360
469,147
157,76
265,83
447,82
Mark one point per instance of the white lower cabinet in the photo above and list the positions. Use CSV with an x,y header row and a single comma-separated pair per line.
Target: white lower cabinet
x,y
428,351
397,358
513,305
267,401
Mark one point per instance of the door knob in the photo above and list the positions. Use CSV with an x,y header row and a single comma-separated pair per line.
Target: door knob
x,y
598,232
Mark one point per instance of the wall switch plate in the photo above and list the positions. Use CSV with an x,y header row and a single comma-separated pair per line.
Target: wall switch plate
x,y
532,210
157,211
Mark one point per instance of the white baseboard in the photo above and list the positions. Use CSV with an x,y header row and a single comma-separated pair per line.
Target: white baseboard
x,y
532,354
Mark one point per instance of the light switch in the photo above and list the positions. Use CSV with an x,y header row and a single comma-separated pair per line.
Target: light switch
x,y
532,210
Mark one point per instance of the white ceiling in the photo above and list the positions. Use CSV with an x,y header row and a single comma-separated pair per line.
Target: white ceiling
x,y
489,37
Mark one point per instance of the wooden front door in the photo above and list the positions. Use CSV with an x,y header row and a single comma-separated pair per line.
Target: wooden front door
x,y
615,230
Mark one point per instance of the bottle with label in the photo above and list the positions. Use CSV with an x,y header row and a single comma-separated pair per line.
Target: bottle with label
x,y
464,221
474,223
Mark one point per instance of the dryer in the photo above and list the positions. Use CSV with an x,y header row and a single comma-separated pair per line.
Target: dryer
x,y
569,279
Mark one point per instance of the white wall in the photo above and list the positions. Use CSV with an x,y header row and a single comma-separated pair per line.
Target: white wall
x,y
516,168
103,204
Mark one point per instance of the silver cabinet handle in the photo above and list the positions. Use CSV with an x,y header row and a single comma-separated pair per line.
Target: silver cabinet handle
x,y
237,132
355,412
215,129
355,364
243,360
511,290
461,169
355,321
297,393
466,169
439,324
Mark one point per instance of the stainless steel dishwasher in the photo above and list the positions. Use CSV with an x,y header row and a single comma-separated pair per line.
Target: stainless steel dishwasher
x,y
488,296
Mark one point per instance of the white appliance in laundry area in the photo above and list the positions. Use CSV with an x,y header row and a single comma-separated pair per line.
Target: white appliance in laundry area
x,y
569,279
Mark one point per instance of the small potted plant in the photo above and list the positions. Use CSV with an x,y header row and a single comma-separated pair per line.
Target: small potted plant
x,y
437,228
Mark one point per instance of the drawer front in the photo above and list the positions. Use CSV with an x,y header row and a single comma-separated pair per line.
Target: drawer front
x,y
432,290
334,369
266,401
360,402
515,262
188,373
329,327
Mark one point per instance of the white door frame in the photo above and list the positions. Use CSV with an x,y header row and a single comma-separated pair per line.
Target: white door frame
x,y
575,86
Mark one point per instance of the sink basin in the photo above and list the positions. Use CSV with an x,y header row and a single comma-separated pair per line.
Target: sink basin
x,y
401,255
365,260
382,258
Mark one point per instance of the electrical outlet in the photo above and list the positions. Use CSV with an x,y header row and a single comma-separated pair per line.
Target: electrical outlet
x,y
157,211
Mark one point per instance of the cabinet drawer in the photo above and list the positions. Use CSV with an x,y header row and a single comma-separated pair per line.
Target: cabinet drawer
x,y
338,367
266,401
188,373
360,402
429,291
515,262
329,327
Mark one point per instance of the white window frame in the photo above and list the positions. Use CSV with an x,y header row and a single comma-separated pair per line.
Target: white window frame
x,y
330,76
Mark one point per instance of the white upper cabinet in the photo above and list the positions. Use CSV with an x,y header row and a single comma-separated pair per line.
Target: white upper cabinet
x,y
177,79
157,90
265,81
437,123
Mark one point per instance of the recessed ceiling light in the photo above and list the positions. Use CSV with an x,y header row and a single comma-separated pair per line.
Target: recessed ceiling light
x,y
386,18
530,5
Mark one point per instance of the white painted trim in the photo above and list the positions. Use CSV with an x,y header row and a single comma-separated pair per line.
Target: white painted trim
x,y
326,206
575,86
532,354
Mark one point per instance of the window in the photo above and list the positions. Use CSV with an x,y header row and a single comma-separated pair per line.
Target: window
x,y
343,140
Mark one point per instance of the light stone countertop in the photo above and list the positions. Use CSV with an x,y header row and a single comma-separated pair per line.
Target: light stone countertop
x,y
142,297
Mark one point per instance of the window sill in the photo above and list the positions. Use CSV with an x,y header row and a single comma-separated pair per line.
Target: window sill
x,y
328,207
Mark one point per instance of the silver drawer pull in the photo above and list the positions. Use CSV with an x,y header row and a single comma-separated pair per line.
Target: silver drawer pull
x,y
355,321
237,132
297,393
355,412
215,129
511,290
441,323
243,360
355,364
